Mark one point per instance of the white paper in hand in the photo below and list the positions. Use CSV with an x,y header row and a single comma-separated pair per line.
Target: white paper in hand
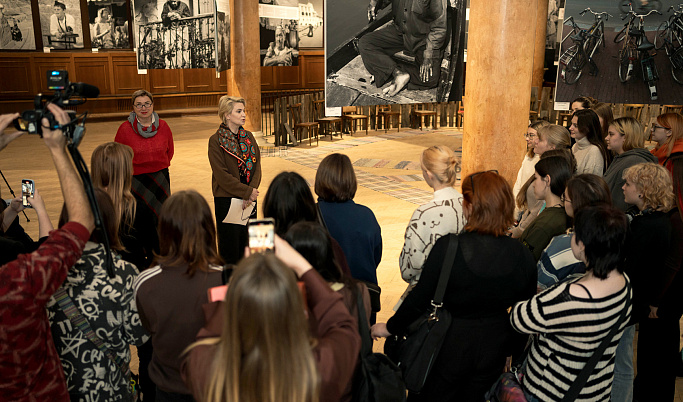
x,y
236,215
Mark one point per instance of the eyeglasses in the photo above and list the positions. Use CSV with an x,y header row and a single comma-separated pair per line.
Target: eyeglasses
x,y
145,105
529,136
564,199
656,126
473,175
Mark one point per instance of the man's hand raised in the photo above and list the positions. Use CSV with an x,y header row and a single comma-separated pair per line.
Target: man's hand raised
x,y
55,139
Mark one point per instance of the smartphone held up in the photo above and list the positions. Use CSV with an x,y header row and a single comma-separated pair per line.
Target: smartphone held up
x,y
261,235
28,188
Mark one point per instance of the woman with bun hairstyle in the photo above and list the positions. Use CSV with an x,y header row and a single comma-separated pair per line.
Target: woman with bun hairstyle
x,y
549,184
590,150
549,138
490,273
257,347
434,219
583,102
648,187
667,132
626,141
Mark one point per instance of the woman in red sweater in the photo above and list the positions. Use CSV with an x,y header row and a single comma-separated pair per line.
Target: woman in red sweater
x,y
667,132
152,143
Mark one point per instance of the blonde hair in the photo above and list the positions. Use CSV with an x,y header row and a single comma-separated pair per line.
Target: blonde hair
x,y
111,169
673,122
555,135
440,161
264,353
631,130
226,103
655,184
536,126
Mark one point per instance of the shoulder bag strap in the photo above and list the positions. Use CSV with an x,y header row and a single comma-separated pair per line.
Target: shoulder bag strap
x,y
79,321
445,274
583,376
366,343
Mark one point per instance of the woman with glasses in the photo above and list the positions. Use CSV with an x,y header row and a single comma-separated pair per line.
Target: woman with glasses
x,y
235,176
530,158
626,141
152,143
590,150
667,132
490,273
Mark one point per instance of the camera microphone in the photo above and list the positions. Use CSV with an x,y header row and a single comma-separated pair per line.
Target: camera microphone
x,y
85,90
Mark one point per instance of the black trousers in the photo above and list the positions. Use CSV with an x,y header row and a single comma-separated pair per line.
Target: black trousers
x,y
147,386
657,359
232,239
376,49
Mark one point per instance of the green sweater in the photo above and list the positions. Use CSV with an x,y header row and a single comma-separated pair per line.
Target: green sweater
x,y
548,224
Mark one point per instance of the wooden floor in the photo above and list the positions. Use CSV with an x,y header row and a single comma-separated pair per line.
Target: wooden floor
x,y
387,167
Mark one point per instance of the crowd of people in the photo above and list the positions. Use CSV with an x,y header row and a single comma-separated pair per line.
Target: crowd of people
x,y
586,244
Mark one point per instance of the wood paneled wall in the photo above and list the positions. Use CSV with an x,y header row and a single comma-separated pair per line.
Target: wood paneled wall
x,y
115,74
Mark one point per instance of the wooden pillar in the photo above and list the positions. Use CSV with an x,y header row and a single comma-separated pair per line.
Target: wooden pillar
x,y
500,53
244,76
539,52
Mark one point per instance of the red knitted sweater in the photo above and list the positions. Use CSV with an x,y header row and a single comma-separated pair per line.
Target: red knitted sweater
x,y
150,154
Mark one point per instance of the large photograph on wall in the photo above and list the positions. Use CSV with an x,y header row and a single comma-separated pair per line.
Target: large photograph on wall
x,y
279,31
375,56
637,59
222,35
16,25
311,32
60,23
108,24
175,34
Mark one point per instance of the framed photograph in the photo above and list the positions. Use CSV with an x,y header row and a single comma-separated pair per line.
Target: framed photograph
x,y
16,25
60,23
279,30
108,25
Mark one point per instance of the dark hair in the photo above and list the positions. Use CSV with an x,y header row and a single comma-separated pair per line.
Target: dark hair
x,y
586,102
677,176
335,180
60,5
187,233
604,110
493,206
559,171
288,201
110,221
602,229
313,242
587,190
565,153
588,122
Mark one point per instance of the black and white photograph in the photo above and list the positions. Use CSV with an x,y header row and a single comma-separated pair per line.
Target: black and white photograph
x,y
16,25
279,30
311,30
621,52
173,34
108,24
60,24
222,35
381,52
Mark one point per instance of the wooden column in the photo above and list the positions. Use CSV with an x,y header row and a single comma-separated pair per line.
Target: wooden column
x,y
539,52
244,76
500,53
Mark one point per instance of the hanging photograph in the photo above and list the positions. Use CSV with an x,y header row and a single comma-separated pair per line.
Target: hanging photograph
x,y
16,25
621,52
174,34
108,24
311,31
60,23
222,35
376,55
279,30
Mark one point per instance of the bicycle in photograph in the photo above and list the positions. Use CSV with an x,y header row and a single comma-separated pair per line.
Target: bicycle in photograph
x,y
638,48
642,6
586,43
670,38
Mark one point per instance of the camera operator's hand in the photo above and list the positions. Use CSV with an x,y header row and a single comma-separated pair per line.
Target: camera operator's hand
x,y
6,120
55,139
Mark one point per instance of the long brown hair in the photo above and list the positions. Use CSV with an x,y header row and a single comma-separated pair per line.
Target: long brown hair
x,y
109,222
111,169
187,233
490,198
264,353
673,122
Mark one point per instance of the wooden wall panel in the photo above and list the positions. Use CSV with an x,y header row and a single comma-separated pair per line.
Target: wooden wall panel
x,y
268,78
165,81
314,72
198,79
289,77
94,71
125,72
46,62
21,83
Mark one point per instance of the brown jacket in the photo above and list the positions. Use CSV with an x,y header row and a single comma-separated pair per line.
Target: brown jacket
x,y
336,351
225,175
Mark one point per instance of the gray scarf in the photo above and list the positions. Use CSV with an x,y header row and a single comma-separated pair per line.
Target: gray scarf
x,y
137,127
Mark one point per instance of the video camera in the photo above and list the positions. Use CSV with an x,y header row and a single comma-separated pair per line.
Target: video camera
x,y
57,80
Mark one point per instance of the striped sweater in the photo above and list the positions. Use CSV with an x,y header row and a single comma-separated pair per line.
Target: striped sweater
x,y
569,330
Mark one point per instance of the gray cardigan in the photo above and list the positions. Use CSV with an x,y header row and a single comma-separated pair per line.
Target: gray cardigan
x,y
614,176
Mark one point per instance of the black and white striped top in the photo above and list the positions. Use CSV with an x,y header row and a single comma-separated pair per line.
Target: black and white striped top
x,y
569,330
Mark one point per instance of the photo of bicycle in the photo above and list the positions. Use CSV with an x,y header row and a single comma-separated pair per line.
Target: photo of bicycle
x,y
626,51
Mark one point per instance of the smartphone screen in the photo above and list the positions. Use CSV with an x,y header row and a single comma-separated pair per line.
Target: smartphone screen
x,y
27,189
261,235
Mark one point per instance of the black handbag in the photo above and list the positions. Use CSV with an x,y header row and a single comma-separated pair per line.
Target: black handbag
x,y
416,350
377,379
